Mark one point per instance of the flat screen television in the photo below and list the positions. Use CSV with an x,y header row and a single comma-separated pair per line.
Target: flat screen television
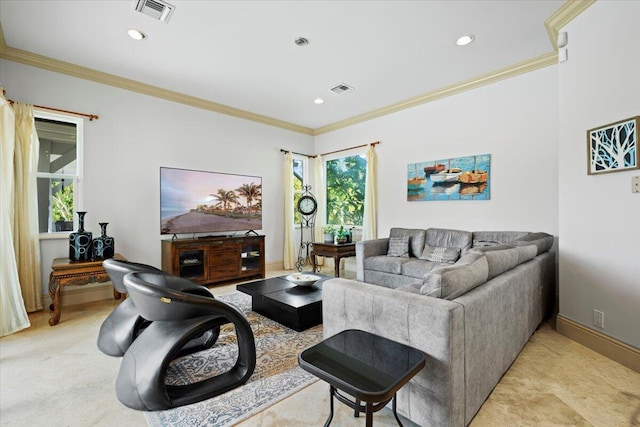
x,y
194,201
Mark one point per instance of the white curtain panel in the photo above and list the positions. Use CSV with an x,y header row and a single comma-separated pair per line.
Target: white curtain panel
x,y
13,315
26,240
289,256
370,219
321,197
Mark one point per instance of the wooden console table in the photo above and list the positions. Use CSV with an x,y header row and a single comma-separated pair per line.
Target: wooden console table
x,y
336,252
67,273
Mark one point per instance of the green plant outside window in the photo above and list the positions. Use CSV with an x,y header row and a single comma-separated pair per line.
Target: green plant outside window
x,y
345,190
62,200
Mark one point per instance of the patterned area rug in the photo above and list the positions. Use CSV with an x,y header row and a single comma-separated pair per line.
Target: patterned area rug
x,y
277,374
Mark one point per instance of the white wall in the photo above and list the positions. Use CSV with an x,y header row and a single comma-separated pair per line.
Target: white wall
x,y
515,121
599,216
135,135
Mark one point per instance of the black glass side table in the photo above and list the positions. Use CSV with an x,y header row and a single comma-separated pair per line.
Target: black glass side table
x,y
365,366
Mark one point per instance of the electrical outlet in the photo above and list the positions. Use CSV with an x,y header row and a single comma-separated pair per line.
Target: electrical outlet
x,y
598,318
635,184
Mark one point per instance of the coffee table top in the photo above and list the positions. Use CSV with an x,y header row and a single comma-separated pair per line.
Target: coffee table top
x,y
366,366
281,290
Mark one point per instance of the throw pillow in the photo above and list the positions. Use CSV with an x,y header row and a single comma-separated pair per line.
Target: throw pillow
x,y
440,254
398,246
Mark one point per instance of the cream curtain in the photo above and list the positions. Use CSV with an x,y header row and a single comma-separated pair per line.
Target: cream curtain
x,y
321,197
289,256
370,220
25,227
13,315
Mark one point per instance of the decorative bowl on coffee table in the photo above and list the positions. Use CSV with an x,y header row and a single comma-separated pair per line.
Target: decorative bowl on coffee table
x,y
303,279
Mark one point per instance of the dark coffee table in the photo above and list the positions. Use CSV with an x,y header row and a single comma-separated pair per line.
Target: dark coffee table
x,y
366,366
296,307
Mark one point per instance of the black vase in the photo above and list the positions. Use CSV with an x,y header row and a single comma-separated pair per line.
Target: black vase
x,y
80,248
103,246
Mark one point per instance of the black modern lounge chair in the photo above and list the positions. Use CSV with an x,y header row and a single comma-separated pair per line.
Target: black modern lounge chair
x,y
124,323
177,317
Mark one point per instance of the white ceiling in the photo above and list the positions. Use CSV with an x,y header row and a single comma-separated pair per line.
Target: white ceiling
x,y
242,53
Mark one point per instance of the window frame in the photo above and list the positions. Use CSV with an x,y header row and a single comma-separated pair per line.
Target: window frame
x,y
77,178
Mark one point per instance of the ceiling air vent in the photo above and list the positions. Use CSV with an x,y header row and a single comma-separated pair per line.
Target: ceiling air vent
x,y
156,9
341,88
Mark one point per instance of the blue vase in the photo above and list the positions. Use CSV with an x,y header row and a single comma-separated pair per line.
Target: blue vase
x,y
103,246
80,248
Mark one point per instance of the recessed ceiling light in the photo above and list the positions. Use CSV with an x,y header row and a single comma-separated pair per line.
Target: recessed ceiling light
x,y
136,34
318,101
465,40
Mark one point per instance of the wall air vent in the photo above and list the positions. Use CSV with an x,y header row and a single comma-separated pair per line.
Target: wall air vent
x,y
341,88
157,9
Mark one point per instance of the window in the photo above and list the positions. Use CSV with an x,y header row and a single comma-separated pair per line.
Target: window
x,y
59,170
299,180
345,190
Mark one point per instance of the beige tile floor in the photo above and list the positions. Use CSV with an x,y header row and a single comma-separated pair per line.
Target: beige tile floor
x,y
56,376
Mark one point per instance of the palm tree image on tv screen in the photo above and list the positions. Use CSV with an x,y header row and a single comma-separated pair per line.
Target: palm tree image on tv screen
x,y
205,202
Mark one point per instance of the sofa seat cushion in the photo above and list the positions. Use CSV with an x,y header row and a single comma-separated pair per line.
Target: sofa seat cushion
x,y
448,238
416,239
418,268
386,264
453,280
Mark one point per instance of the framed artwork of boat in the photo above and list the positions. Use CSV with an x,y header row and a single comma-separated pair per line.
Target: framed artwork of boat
x,y
613,147
459,178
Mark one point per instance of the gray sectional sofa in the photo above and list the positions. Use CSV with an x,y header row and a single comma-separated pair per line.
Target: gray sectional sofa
x,y
469,300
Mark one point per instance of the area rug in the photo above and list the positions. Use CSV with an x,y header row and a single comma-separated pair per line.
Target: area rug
x,y
277,374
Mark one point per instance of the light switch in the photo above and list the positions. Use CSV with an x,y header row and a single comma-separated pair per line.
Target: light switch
x,y
635,184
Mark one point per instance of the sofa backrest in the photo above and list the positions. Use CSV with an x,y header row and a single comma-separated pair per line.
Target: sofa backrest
x,y
451,281
491,238
501,258
416,239
442,237
543,241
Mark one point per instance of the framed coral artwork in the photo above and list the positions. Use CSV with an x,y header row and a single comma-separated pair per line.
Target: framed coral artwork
x,y
613,147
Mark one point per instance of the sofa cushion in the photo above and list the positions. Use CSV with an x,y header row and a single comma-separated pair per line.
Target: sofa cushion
x,y
440,254
543,241
418,268
504,257
398,246
492,238
526,252
500,258
451,281
416,239
448,238
384,263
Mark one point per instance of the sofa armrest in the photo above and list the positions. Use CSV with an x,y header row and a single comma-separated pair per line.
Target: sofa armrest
x,y
366,249
435,396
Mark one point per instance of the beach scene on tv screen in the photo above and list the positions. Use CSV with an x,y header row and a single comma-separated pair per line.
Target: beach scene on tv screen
x,y
203,202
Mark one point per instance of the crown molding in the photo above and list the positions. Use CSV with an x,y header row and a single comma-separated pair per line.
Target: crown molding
x,y
567,12
541,61
40,61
